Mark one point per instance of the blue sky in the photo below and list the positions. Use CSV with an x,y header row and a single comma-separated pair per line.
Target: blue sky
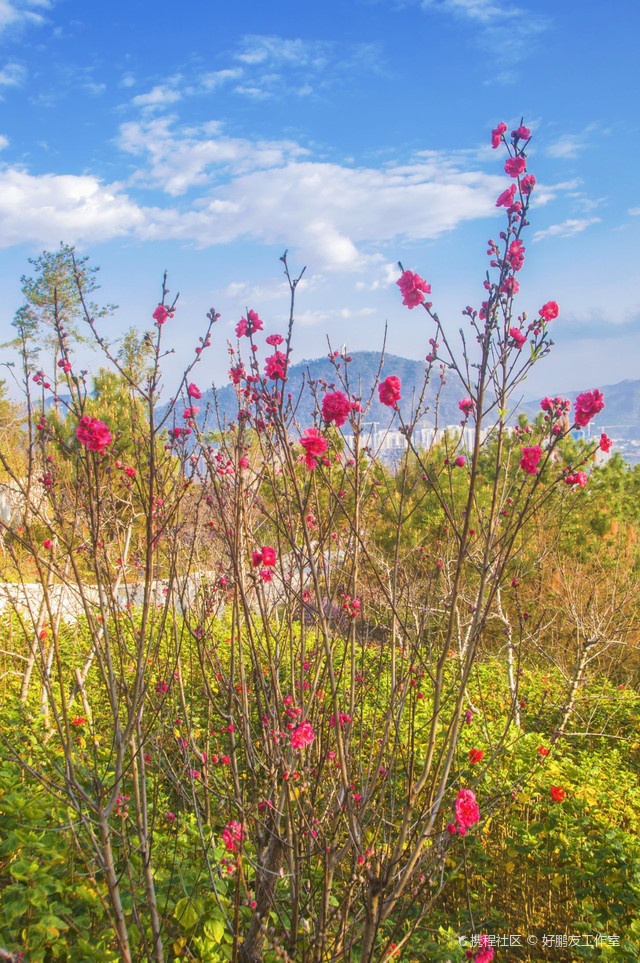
x,y
208,137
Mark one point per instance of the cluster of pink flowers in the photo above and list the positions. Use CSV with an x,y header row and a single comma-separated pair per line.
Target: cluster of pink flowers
x,y
336,408
485,953
515,166
266,556
587,406
314,445
518,337
577,478
302,736
531,459
275,366
93,434
605,442
232,835
515,254
389,391
194,392
466,405
467,812
249,325
549,311
161,314
413,289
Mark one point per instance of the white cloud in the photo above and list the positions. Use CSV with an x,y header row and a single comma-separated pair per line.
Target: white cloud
x,y
568,228
335,217
54,207
179,160
567,146
216,78
634,211
4,142
159,96
15,13
12,75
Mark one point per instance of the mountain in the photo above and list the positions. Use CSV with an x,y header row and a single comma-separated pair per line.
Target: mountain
x,y
362,372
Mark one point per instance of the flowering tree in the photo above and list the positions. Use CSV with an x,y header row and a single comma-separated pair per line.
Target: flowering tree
x,y
259,679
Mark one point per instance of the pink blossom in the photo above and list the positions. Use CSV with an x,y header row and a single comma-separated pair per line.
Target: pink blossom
x,y
605,442
237,374
47,543
232,835
549,311
314,445
587,406
389,391
578,478
93,434
527,183
268,555
517,336
514,166
275,366
160,314
506,198
496,135
412,287
515,254
336,407
302,736
194,392
190,412
466,405
467,812
274,340
530,459
461,461
249,325
522,133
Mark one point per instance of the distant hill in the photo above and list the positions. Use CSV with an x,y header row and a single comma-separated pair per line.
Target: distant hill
x,y
621,415
362,374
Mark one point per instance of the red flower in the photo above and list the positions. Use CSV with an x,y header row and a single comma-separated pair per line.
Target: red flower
x,y
605,442
578,478
506,198
336,407
517,336
249,325
232,835
160,314
302,736
527,183
475,756
461,461
467,812
522,133
93,434
530,459
389,391
194,392
466,406
542,751
515,166
515,254
314,445
274,340
496,135
268,555
557,793
412,287
78,721
587,406
549,311
275,366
